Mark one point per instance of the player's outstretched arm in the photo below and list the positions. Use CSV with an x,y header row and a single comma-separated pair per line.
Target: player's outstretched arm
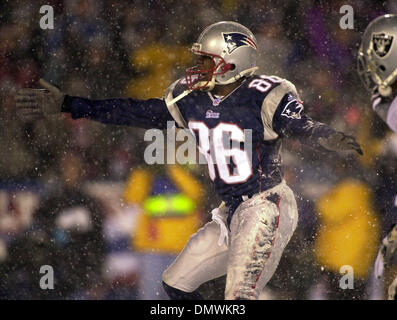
x,y
291,121
338,141
33,104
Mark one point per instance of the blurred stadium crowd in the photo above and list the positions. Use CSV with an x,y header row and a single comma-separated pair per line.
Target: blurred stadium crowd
x,y
78,196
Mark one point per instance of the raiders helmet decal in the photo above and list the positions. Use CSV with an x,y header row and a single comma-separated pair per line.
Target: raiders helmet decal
x,y
382,43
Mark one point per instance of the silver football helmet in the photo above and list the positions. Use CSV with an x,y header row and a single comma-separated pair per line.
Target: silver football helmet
x,y
377,56
233,50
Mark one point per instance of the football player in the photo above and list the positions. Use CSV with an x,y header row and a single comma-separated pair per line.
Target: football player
x,y
377,67
221,97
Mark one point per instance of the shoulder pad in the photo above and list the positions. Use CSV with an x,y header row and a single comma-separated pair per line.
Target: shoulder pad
x,y
173,91
271,102
176,87
391,119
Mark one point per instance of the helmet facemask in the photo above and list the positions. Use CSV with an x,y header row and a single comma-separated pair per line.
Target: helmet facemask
x,y
193,74
365,73
368,70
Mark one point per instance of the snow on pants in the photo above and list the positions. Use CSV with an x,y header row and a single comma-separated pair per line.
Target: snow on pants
x,y
261,228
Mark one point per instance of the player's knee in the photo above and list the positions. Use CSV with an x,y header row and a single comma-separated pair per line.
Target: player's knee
x,y
176,294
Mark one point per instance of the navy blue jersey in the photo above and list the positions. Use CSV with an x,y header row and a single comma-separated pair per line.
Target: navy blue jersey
x,y
264,109
269,106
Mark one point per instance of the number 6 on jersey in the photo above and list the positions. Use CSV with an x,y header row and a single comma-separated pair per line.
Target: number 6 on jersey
x,y
233,163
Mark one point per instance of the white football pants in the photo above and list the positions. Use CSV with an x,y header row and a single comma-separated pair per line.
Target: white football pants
x,y
261,228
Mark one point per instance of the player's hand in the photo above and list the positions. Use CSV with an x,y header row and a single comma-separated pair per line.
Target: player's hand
x,y
341,142
33,104
386,251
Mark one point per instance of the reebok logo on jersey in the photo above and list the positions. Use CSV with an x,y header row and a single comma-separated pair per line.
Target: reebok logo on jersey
x,y
293,109
211,114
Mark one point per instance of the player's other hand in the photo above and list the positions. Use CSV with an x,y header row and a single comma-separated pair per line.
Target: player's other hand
x,y
34,104
341,142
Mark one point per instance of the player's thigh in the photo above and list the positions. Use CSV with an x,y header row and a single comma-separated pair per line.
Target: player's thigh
x,y
288,218
259,235
201,260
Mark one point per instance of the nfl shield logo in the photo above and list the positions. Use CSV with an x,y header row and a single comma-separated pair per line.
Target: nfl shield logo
x,y
382,43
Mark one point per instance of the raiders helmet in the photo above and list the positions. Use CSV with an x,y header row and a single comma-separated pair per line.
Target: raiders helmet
x,y
377,56
233,50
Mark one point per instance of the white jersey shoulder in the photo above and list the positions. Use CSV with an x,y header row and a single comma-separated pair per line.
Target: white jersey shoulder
x,y
272,101
391,119
386,110
171,93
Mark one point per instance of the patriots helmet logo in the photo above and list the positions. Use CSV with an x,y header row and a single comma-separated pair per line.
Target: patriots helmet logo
x,y
293,109
235,40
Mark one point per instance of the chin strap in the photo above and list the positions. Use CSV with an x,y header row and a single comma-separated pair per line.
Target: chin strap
x,y
243,73
384,87
211,84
